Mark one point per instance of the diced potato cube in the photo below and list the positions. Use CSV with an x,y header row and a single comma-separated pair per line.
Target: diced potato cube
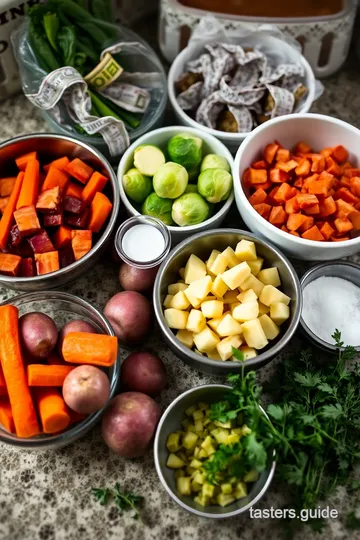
x,y
195,269
254,335
175,318
226,488
201,287
240,490
233,438
203,501
212,259
173,442
180,301
220,435
263,309
190,410
167,301
195,487
182,272
233,306
219,288
202,454
230,297
270,295
199,477
198,414
214,323
246,312
208,445
230,256
224,499
213,355
208,490
198,352
196,321
195,464
256,266
248,352
279,312
174,462
251,476
252,283
206,340
225,346
225,425
219,265
212,309
183,485
270,276
189,440
229,327
247,296
194,301
271,329
246,251
185,337
236,275
176,287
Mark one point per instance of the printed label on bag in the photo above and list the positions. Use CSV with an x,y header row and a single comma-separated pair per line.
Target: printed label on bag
x,y
105,73
53,86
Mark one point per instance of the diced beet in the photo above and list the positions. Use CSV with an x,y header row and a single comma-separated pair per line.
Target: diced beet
x,y
14,236
73,205
41,243
53,220
27,267
23,250
66,256
79,221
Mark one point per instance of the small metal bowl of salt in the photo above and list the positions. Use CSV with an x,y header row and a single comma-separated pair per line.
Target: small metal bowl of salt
x,y
331,300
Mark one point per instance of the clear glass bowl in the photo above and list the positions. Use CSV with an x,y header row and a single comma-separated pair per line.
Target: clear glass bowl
x,y
62,307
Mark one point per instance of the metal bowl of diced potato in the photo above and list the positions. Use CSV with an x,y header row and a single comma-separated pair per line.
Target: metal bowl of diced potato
x,y
225,502
222,290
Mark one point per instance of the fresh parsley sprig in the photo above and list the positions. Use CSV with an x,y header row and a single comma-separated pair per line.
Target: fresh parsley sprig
x,y
123,500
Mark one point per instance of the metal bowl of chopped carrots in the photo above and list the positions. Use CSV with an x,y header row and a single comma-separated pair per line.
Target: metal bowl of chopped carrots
x,y
297,184
33,414
59,201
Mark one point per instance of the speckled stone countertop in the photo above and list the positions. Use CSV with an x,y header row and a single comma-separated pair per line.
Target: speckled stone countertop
x,y
46,495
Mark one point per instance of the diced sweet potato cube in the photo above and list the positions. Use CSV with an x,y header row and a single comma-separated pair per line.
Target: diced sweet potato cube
x,y
294,233
302,148
313,234
270,152
355,186
282,154
9,264
307,224
283,193
327,207
270,198
62,237
263,209
258,197
295,221
257,176
299,183
350,172
7,185
346,195
318,163
345,182
355,219
320,187
303,168
326,152
309,180
343,225
326,230
343,209
287,166
261,164
81,242
340,153
292,205
49,200
277,215
284,228
278,176
3,203
47,262
265,186
313,209
332,167
342,239
27,220
305,200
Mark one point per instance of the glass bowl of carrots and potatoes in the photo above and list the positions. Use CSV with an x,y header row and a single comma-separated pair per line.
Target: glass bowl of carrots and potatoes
x,y
59,200
26,418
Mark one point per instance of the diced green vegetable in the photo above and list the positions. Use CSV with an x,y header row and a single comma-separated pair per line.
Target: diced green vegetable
x,y
173,442
174,462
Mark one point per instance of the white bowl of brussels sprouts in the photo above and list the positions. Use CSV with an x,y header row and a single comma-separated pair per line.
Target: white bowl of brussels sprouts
x,y
180,175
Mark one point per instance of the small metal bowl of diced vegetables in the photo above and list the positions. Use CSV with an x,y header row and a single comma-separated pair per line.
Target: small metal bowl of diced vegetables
x,y
225,296
202,457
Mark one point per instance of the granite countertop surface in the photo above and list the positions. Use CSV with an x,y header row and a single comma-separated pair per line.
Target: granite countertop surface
x,y
46,495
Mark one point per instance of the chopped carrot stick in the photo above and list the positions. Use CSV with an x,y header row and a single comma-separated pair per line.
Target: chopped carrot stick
x,y
79,170
3,389
74,190
12,364
30,186
8,215
55,178
313,234
42,375
62,237
270,152
6,415
88,348
52,409
326,230
47,262
100,208
258,197
59,163
340,153
9,264
27,220
81,242
22,161
96,183
7,185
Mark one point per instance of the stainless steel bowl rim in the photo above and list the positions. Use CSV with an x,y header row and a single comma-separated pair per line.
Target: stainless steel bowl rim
x,y
72,434
172,493
227,366
107,232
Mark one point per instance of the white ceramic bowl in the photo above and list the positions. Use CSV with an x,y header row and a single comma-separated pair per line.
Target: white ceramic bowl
x,y
266,43
319,131
160,137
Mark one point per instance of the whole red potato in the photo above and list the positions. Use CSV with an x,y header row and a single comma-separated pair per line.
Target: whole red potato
x,y
136,279
38,334
130,315
129,424
77,325
86,389
143,372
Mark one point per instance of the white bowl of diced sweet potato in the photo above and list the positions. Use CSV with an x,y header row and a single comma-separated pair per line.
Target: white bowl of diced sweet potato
x,y
59,201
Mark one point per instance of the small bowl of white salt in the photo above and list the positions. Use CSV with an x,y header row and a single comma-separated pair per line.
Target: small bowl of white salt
x,y
331,301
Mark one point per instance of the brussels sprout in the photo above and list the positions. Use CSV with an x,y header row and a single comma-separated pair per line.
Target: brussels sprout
x,y
213,161
170,180
148,158
215,185
157,207
190,209
136,185
185,149
191,188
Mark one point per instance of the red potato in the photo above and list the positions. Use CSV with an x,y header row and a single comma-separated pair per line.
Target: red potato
x,y
38,334
143,372
86,389
136,279
129,313
76,325
129,424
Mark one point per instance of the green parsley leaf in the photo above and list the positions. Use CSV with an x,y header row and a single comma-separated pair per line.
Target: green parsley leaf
x,y
310,380
332,411
101,495
237,354
275,411
255,452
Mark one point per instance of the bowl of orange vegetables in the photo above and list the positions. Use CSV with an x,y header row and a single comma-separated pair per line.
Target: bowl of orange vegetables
x,y
59,201
36,410
297,184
